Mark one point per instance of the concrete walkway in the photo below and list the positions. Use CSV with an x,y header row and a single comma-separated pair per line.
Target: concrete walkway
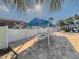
x,y
73,38
19,47
60,48
63,46
25,45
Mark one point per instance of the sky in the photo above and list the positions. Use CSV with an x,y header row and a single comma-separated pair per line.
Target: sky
x,y
68,9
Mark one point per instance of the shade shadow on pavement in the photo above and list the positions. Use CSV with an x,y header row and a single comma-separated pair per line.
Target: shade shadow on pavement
x,y
60,48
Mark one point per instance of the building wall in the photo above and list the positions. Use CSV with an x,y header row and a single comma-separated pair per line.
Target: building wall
x,y
11,23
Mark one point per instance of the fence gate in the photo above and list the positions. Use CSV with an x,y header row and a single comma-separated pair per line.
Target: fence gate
x,y
3,37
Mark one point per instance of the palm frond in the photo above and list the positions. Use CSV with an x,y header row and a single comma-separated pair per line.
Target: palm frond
x,y
55,4
22,5
39,1
19,4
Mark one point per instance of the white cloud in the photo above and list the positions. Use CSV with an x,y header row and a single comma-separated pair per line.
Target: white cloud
x,y
4,8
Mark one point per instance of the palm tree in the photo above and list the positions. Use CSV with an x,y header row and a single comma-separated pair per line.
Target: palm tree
x,y
76,16
22,5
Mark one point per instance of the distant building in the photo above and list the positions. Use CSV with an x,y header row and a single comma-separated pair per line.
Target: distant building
x,y
12,23
70,24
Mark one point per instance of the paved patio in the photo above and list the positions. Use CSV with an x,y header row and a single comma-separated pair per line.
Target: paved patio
x,y
63,46
73,38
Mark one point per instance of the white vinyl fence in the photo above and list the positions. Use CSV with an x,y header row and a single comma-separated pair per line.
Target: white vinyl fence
x,y
11,35
3,37
16,34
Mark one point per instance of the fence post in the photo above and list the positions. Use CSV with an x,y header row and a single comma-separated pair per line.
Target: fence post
x,y
6,36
